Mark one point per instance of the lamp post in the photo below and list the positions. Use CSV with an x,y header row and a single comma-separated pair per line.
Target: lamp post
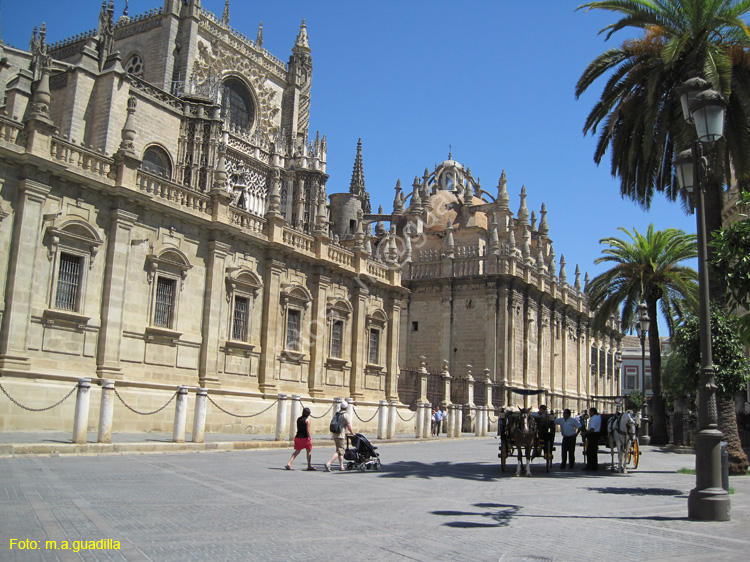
x,y
641,327
704,108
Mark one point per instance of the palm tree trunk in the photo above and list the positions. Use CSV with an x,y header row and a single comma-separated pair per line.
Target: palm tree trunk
x,y
728,425
659,431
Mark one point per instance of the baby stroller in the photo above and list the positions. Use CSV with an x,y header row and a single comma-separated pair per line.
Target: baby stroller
x,y
361,454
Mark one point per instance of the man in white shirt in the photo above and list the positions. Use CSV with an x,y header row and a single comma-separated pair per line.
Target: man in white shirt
x,y
592,441
570,427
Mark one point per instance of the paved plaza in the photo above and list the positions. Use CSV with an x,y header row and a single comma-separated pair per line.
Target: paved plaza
x,y
445,499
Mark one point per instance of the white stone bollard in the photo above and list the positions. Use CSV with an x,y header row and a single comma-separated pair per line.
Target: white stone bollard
x,y
427,413
281,417
296,412
449,420
106,409
418,421
485,420
382,419
391,432
180,415
199,417
459,420
81,420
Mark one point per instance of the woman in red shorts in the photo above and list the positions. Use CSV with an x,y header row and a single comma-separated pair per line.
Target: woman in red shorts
x,y
302,441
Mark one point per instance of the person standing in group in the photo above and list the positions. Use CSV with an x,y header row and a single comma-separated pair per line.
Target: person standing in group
x,y
434,420
438,421
302,440
343,427
570,427
592,441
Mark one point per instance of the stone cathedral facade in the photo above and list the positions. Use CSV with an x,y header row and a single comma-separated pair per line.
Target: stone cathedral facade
x,y
164,221
489,300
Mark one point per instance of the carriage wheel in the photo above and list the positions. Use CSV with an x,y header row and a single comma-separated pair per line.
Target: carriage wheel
x,y
503,454
634,454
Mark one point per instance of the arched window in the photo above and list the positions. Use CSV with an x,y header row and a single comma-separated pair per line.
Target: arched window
x,y
156,161
237,107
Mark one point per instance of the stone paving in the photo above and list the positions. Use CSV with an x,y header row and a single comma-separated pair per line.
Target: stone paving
x,y
445,499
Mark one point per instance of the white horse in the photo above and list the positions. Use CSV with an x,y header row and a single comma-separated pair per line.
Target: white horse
x,y
523,434
621,430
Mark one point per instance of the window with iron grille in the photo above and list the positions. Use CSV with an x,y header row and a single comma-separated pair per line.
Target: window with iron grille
x,y
68,282
374,346
239,322
337,337
293,322
164,308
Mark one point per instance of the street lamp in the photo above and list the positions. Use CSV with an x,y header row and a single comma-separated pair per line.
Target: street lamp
x,y
641,327
708,501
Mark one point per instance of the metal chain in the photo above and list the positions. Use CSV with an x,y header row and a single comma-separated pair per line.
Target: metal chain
x,y
239,415
402,419
37,409
143,413
489,417
366,421
318,417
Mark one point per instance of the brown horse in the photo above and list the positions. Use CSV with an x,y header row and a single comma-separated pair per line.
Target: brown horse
x,y
523,433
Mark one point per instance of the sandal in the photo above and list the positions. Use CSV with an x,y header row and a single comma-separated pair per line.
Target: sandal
x,y
328,467
288,467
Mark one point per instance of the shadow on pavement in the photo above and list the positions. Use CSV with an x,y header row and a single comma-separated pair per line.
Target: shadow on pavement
x,y
500,515
639,491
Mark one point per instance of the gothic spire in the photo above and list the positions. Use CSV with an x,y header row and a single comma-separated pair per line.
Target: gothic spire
x,y
502,192
357,185
523,211
225,15
543,226
563,273
302,41
259,39
578,278
398,200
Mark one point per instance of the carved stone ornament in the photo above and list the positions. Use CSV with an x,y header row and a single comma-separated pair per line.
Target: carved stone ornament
x,y
229,62
77,234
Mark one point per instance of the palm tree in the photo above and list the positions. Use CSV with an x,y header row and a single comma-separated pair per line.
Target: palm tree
x,y
639,110
647,268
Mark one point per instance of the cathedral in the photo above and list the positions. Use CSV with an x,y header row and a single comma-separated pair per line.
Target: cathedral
x,y
164,223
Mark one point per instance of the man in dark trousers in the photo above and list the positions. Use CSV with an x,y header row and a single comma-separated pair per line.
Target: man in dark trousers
x,y
569,428
592,441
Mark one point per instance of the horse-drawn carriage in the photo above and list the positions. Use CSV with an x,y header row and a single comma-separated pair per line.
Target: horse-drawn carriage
x,y
519,432
619,432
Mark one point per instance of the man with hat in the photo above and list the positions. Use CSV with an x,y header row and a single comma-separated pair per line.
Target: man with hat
x,y
339,439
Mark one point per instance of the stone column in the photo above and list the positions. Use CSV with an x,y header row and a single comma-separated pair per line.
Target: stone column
x,y
113,294
296,413
459,418
479,422
106,409
382,419
180,415
360,340
81,420
282,417
423,374
25,242
391,419
199,417
319,328
469,406
214,313
392,370
273,324
446,385
491,327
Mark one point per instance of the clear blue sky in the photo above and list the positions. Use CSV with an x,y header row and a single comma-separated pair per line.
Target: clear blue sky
x,y
494,79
